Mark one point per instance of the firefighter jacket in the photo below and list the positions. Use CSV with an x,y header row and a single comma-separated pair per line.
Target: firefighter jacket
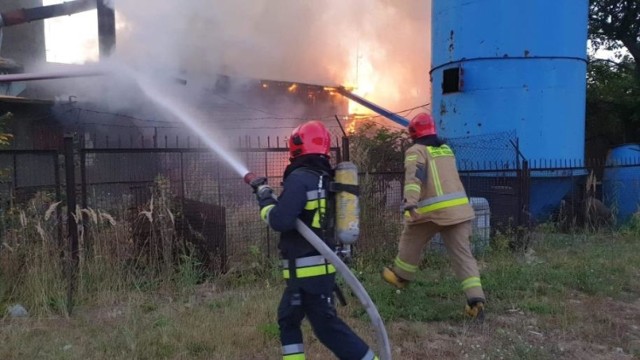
x,y
305,196
432,185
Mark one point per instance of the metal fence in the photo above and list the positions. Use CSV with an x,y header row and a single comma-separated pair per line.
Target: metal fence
x,y
208,198
23,175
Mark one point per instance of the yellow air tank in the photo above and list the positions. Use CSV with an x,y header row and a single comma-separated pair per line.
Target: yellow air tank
x,y
347,206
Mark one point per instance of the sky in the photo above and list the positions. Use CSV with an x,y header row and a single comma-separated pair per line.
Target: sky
x,y
71,39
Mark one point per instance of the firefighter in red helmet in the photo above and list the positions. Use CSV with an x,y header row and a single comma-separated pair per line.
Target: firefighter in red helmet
x,y
310,277
435,202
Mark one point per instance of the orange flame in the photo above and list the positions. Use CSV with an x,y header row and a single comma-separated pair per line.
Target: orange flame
x,y
293,88
351,127
364,83
355,122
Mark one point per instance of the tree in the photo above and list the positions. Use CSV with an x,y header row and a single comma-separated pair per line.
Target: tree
x,y
613,104
614,25
378,149
613,85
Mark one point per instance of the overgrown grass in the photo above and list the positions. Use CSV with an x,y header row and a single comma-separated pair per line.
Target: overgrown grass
x,y
540,303
115,256
539,281
128,307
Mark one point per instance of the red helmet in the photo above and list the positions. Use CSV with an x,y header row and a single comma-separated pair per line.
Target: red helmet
x,y
422,125
309,138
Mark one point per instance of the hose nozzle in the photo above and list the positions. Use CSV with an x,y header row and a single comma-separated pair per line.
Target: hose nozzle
x,y
249,177
254,180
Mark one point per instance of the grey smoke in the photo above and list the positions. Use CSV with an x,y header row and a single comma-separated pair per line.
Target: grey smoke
x,y
303,41
298,41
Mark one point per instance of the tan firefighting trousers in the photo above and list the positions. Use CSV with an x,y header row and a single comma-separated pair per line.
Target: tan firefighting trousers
x,y
415,237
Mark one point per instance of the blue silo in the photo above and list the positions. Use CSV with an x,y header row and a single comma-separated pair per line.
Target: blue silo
x,y
513,67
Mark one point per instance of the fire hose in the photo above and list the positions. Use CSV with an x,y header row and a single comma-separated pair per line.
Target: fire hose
x,y
347,275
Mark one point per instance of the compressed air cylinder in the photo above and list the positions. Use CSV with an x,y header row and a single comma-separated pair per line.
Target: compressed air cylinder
x,y
347,206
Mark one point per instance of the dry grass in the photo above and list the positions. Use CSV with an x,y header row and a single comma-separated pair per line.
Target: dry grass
x,y
115,255
213,323
574,297
542,306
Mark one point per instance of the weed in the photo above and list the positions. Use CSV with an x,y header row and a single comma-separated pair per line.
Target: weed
x,y
195,348
632,227
190,271
270,330
162,322
148,307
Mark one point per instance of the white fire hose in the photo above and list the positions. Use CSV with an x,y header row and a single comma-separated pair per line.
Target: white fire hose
x,y
354,284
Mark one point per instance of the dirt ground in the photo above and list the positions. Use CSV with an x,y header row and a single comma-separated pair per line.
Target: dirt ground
x,y
212,324
602,329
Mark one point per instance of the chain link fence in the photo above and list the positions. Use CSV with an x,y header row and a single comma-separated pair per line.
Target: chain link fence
x,y
211,198
211,206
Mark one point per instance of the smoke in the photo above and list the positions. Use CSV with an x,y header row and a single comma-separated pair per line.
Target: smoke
x,y
379,46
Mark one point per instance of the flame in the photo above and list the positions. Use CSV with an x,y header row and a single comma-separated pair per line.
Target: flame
x,y
364,84
354,122
352,126
293,88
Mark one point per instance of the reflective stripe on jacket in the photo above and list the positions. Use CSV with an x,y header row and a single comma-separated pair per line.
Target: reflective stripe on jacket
x,y
316,202
309,266
433,186
303,197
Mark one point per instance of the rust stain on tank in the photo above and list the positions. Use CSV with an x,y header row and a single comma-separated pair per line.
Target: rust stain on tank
x,y
451,43
443,108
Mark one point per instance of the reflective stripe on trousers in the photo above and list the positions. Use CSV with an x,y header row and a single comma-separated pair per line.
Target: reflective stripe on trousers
x,y
293,352
405,266
370,356
471,282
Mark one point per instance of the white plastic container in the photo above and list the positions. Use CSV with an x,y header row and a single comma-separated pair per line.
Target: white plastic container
x,y
481,231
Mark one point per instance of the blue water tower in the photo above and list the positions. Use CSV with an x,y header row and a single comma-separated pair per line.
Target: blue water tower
x,y
512,67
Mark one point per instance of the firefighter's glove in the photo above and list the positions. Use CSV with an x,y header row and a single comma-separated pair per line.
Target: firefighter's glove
x,y
264,194
257,182
409,208
410,213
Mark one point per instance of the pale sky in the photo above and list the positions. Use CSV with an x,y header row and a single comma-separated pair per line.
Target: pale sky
x,y
71,39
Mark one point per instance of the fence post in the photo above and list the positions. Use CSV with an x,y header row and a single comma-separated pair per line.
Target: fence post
x,y
88,241
58,184
155,137
525,181
345,149
72,226
266,174
14,159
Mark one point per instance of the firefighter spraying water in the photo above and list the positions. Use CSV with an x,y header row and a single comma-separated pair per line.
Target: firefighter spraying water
x,y
346,225
301,273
